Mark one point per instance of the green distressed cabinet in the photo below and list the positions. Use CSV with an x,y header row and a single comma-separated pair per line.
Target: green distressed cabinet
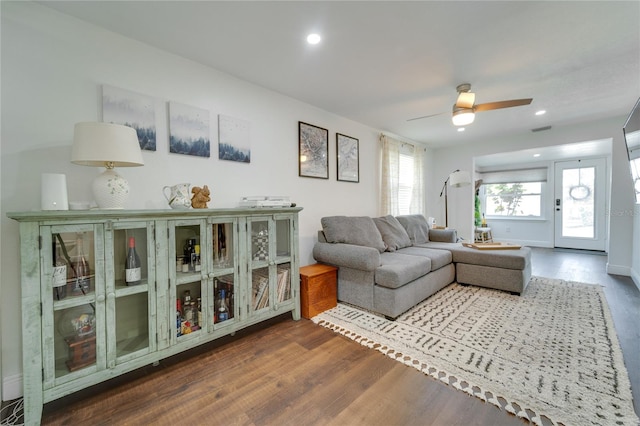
x,y
204,273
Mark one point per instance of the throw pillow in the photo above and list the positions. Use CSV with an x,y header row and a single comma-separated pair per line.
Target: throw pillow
x,y
416,226
393,234
357,230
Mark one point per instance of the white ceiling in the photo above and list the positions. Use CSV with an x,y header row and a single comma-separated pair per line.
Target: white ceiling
x,y
383,62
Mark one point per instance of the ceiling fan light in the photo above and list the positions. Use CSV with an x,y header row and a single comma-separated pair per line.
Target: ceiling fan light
x,y
466,100
462,116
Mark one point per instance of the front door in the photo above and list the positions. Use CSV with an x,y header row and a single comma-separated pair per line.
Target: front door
x,y
580,204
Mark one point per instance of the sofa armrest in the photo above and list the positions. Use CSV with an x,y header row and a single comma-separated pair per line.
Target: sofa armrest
x,y
347,255
443,235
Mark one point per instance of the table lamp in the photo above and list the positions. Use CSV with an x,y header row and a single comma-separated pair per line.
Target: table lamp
x,y
107,145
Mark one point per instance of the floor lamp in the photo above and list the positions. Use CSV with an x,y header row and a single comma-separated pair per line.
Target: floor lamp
x,y
456,179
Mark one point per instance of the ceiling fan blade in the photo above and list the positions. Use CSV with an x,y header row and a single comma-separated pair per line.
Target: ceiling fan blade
x,y
425,116
502,104
466,100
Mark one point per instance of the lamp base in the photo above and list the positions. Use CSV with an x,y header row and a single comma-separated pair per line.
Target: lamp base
x,y
110,190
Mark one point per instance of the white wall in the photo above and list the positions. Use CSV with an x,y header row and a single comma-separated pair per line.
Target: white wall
x,y
635,260
53,67
461,200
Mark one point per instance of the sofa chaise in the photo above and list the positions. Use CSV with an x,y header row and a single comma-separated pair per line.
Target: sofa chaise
x,y
389,264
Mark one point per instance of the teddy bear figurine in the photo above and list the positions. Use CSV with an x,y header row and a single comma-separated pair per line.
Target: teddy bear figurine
x,y
200,197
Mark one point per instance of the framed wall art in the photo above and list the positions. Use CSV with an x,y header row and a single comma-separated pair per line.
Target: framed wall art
x,y
313,151
189,130
120,106
234,143
348,155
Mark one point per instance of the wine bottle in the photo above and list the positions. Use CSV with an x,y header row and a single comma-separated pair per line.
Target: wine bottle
x,y
484,221
223,311
81,266
133,271
59,280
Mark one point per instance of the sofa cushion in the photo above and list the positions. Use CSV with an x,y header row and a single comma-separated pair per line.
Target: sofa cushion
x,y
393,233
416,226
399,269
357,230
439,258
507,259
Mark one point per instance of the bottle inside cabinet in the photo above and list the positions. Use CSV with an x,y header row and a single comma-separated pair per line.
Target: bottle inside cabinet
x,y
130,257
73,262
187,242
188,304
223,298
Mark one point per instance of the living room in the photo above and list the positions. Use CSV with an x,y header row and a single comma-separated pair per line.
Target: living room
x,y
54,67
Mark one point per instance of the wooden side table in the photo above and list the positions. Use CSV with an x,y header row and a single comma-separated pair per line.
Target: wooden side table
x,y
318,289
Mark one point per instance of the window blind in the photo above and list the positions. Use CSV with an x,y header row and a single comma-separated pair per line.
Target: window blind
x,y
538,174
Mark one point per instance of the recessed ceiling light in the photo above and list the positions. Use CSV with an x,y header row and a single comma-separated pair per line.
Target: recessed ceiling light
x,y
461,129
541,112
313,38
536,155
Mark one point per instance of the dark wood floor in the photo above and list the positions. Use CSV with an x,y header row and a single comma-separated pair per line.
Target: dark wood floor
x,y
294,372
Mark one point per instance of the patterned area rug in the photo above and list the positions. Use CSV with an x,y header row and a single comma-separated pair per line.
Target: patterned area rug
x,y
551,352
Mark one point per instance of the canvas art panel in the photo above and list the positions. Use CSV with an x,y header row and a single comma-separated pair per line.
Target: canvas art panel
x,y
313,150
189,130
234,143
347,150
120,106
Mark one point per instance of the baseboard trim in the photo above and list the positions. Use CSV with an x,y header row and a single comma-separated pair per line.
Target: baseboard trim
x,y
529,243
618,270
635,277
12,387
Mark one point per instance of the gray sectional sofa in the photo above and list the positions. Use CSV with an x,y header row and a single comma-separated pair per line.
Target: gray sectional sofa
x,y
389,264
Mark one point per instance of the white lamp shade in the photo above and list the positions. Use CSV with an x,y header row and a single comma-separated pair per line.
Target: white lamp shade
x,y
98,144
462,116
459,178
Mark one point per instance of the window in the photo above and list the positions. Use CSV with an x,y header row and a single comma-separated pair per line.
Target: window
x,y
518,199
405,182
402,178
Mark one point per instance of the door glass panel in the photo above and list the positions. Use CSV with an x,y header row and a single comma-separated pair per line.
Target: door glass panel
x,y
284,282
223,250
132,323
74,338
188,250
578,202
73,262
283,238
189,298
260,288
223,298
188,289
129,254
260,241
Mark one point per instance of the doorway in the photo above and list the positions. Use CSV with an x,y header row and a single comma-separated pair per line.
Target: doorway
x,y
580,204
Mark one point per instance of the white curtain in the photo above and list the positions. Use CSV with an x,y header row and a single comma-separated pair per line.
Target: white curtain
x,y
392,199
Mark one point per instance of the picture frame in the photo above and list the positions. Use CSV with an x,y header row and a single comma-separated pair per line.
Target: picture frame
x,y
121,106
189,130
313,151
348,158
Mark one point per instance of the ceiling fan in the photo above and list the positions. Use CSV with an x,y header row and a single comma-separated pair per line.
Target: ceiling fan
x,y
465,107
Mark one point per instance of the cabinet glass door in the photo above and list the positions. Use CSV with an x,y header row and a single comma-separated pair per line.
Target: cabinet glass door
x,y
270,242
130,291
283,259
223,271
188,295
72,301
